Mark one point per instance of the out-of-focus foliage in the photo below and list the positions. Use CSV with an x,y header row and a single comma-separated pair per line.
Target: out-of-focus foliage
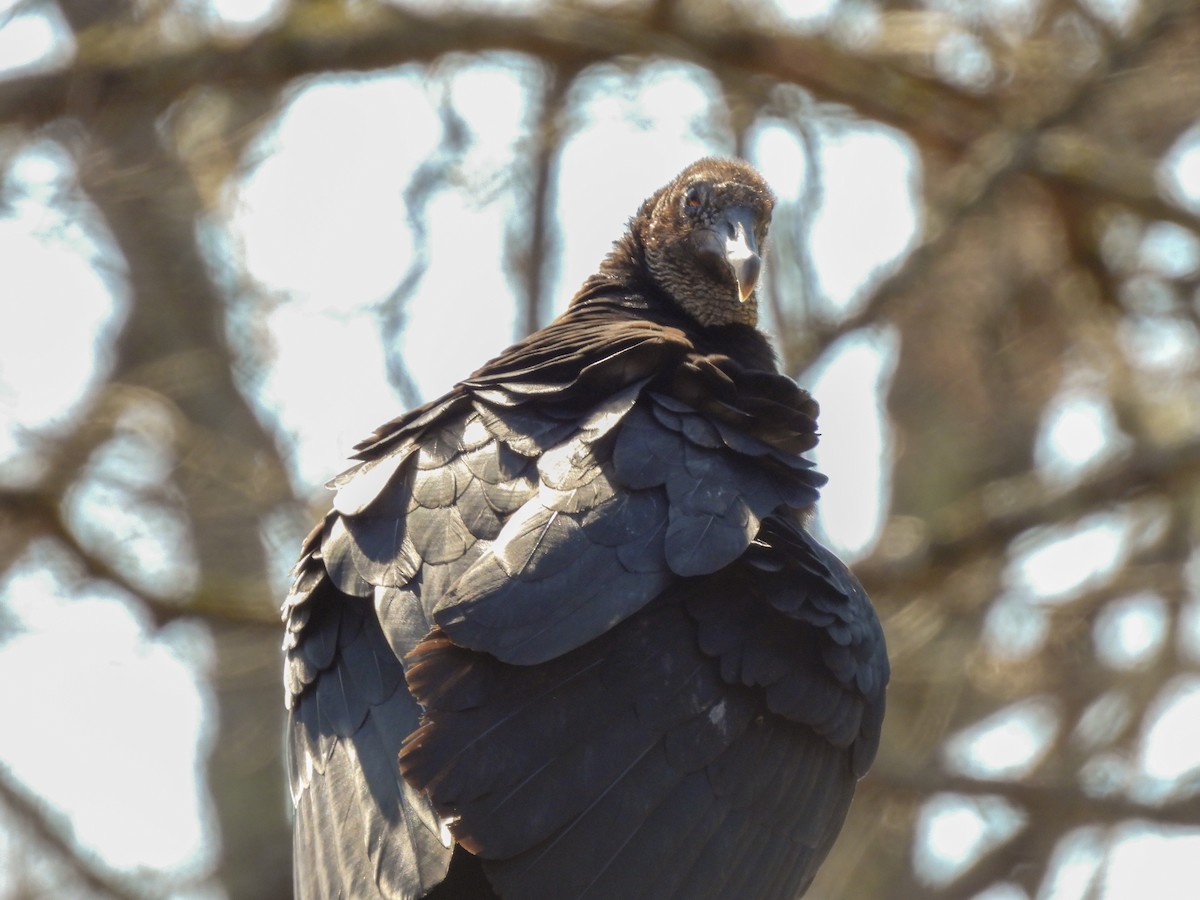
x,y
1035,344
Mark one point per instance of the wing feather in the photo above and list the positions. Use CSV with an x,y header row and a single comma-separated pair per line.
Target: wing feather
x,y
575,595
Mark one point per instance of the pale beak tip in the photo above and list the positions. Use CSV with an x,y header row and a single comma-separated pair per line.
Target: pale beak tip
x,y
746,272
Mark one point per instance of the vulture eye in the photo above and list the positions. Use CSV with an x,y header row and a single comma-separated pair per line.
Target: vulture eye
x,y
693,198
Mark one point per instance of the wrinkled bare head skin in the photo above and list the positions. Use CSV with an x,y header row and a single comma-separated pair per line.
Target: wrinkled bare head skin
x,y
704,236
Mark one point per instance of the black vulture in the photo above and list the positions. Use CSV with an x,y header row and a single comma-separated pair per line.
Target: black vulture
x,y
565,634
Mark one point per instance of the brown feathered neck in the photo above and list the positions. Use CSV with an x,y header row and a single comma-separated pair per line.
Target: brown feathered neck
x,y
623,286
622,289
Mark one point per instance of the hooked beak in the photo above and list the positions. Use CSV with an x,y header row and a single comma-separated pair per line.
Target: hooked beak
x,y
732,241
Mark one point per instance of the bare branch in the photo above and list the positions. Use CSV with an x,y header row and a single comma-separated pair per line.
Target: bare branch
x,y
120,67
1064,802
994,516
1085,163
41,824
532,251
994,156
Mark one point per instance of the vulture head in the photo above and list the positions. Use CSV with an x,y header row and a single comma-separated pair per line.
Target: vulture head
x,y
704,235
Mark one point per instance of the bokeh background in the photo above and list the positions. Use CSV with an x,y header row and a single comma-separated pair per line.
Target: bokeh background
x,y
237,234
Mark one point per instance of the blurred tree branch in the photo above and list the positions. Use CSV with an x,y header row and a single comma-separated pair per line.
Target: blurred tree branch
x,y
531,243
1031,134
49,832
118,65
1083,163
230,473
1002,510
1056,801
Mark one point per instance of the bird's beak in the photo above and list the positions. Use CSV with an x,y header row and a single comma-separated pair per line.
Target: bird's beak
x,y
741,249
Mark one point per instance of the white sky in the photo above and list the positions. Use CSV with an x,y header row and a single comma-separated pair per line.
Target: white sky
x,y
322,226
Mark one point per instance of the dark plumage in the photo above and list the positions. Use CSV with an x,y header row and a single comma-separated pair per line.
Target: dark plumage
x,y
565,632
